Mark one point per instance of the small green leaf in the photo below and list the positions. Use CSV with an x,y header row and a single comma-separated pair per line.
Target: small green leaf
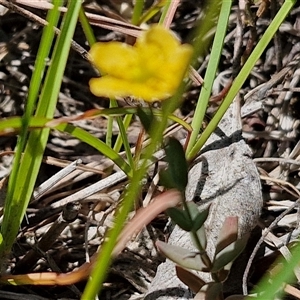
x,y
183,257
179,217
193,209
177,164
198,217
201,235
166,180
228,233
192,220
229,253
146,117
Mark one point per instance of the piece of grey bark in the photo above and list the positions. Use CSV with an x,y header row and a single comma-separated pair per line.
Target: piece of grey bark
x,y
225,177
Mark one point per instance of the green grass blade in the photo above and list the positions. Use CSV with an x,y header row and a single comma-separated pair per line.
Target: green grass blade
x,y
97,144
54,76
137,12
165,9
123,137
210,72
202,40
109,129
119,142
9,231
15,123
87,29
269,289
35,83
18,199
243,75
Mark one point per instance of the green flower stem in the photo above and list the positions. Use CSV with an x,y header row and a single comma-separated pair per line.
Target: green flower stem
x,y
109,129
99,273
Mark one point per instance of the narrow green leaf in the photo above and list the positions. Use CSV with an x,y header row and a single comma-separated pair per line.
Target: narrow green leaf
x,y
242,77
122,136
177,164
211,69
178,216
119,111
137,12
15,205
119,142
146,117
228,233
87,29
183,257
97,144
11,125
200,235
229,253
18,198
198,217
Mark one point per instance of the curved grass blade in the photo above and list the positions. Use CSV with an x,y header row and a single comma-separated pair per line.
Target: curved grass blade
x,y
18,198
242,76
210,72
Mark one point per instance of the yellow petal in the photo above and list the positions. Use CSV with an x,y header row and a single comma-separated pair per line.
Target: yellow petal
x,y
154,47
164,56
152,69
111,87
161,37
117,59
176,66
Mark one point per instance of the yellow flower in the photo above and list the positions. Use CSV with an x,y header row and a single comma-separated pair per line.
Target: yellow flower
x,y
151,70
